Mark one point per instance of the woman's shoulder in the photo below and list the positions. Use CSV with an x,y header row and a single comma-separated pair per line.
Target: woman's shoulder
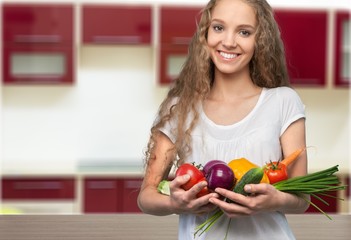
x,y
284,92
283,89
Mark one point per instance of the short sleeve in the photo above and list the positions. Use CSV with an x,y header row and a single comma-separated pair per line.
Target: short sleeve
x,y
292,107
168,129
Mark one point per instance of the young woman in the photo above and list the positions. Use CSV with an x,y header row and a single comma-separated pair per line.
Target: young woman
x,y
231,100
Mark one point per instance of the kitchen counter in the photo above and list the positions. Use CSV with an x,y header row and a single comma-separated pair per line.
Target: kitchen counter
x,y
85,167
110,167
146,227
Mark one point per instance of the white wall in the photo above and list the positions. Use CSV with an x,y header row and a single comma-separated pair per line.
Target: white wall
x,y
107,113
327,127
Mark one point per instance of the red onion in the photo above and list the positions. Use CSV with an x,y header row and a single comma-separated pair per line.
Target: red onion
x,y
210,164
220,175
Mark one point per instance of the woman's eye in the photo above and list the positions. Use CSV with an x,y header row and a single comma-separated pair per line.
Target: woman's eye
x,y
245,33
217,28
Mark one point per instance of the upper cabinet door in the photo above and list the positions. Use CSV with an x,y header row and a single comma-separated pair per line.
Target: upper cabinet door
x,y
38,23
177,26
342,49
304,34
38,43
105,24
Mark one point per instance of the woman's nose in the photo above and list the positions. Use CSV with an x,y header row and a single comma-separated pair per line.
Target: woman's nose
x,y
229,40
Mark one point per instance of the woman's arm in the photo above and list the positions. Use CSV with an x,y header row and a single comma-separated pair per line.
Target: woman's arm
x,y
180,201
295,138
292,139
149,200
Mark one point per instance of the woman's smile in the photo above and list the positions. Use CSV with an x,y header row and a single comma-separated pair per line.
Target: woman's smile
x,y
228,56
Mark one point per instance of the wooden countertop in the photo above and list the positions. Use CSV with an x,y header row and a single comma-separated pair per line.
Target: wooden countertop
x,y
146,227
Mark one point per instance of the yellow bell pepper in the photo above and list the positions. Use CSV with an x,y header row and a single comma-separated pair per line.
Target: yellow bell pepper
x,y
241,165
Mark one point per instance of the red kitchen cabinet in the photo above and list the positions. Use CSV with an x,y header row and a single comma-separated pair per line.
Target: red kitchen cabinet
x,y
177,26
111,24
130,191
331,208
348,188
304,34
38,43
101,195
111,195
29,188
342,50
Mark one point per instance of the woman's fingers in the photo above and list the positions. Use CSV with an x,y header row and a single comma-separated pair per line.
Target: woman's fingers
x,y
179,181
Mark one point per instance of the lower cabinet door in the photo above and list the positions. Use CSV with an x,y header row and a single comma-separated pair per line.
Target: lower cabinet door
x,y
37,188
332,206
130,191
101,195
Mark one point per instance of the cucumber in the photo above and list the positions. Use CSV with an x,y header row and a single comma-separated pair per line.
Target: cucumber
x,y
254,175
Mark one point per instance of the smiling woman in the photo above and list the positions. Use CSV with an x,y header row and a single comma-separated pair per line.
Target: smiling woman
x,y
230,100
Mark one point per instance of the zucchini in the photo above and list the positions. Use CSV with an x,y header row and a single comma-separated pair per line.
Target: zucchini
x,y
254,175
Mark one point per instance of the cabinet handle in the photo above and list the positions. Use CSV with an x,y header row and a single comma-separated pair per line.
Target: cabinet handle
x,y
132,184
117,39
181,40
37,38
101,185
54,185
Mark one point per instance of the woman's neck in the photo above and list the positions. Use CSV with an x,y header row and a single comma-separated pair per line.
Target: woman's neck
x,y
227,87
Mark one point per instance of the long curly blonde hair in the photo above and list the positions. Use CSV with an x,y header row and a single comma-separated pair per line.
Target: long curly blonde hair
x,y
267,69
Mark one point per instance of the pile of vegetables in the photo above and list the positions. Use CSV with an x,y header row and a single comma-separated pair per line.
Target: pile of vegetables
x,y
217,174
239,172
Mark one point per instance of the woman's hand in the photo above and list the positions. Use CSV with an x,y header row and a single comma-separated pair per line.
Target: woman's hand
x,y
186,201
263,197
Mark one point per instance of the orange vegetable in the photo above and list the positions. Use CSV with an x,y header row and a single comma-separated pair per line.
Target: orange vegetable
x,y
277,171
241,165
292,157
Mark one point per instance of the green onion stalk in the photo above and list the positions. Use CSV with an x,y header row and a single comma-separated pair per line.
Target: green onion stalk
x,y
316,184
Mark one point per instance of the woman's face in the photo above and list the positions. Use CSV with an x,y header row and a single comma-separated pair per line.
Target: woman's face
x,y
231,36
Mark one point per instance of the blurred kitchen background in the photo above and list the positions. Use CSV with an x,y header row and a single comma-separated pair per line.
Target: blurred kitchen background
x,y
82,81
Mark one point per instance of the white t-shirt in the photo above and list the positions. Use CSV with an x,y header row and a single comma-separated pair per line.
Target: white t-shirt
x,y
256,138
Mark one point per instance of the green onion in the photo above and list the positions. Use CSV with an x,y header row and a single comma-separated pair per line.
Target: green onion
x,y
315,184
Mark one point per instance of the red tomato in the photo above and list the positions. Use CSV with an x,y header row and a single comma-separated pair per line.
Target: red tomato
x,y
276,172
196,176
203,192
